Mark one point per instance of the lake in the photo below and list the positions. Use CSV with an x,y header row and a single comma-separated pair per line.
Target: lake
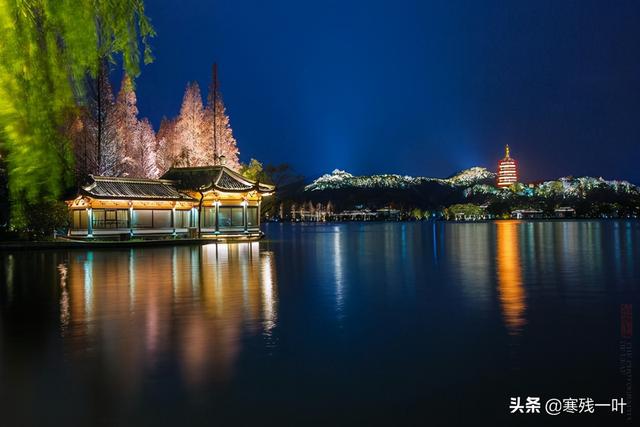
x,y
428,323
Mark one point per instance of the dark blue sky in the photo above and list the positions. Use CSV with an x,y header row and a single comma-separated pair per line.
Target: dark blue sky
x,y
411,87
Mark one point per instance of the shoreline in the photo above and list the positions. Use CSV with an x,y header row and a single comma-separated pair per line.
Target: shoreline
x,y
63,243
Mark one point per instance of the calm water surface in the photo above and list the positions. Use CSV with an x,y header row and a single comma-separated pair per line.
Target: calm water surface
x,y
337,324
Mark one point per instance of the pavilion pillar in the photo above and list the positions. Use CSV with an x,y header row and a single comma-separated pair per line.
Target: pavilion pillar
x,y
130,219
89,222
216,213
173,219
259,209
244,215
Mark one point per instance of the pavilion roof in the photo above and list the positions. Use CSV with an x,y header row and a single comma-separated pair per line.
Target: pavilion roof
x,y
104,187
219,178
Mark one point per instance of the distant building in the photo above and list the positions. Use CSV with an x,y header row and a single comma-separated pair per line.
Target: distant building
x,y
527,214
307,212
565,212
357,215
507,170
389,213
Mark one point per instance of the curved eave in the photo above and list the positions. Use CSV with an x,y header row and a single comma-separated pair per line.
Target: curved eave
x,y
149,199
251,185
262,189
216,180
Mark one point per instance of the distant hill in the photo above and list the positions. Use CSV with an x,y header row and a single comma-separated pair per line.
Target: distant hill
x,y
567,187
346,191
591,197
340,179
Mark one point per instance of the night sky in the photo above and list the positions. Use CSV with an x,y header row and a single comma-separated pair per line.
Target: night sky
x,y
411,87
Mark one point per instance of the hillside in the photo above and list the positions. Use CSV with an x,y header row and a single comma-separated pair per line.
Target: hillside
x,y
591,197
340,179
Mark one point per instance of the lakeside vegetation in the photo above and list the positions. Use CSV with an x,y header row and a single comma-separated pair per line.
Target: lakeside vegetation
x,y
50,56
60,120
50,50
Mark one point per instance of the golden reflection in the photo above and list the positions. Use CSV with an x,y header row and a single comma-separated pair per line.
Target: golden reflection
x,y
195,304
510,287
64,298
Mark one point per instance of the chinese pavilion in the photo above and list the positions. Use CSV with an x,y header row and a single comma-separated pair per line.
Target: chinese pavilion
x,y
211,201
507,170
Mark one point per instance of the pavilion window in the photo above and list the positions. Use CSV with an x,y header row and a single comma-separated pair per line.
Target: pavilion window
x,y
182,219
237,217
142,219
79,219
122,216
208,218
110,218
230,216
252,216
99,219
224,217
161,219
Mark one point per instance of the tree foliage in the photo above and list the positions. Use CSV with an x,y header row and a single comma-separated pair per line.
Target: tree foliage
x,y
219,127
145,159
201,135
166,146
465,210
47,50
43,218
109,138
191,130
253,171
126,127
92,131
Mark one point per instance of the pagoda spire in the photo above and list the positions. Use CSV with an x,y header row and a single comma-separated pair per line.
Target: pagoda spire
x,y
506,151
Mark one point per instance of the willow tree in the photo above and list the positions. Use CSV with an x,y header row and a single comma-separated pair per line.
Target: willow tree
x,y
48,48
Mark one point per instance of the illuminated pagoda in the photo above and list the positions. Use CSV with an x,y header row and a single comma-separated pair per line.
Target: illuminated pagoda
x,y
507,170
210,201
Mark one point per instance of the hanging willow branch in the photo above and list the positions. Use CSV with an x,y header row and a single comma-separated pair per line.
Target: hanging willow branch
x,y
47,49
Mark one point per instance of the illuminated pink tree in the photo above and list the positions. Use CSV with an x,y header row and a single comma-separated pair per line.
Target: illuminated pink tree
x,y
126,129
144,158
92,131
226,145
190,129
100,123
167,149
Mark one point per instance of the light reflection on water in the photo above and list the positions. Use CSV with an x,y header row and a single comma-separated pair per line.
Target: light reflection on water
x,y
469,257
136,306
339,274
317,315
509,268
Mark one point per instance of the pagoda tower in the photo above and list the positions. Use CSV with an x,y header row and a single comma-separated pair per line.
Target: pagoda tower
x,y
507,170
